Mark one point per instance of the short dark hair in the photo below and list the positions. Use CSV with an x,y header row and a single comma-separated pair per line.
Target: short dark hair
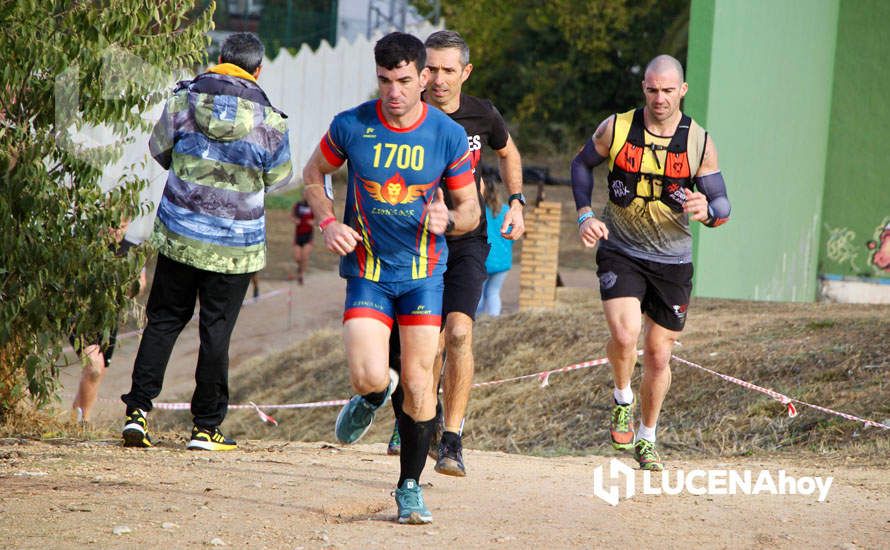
x,y
442,40
243,49
398,47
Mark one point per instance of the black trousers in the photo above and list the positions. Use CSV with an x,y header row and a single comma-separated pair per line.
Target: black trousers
x,y
170,306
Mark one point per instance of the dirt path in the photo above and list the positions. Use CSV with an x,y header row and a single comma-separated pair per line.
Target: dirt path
x,y
73,494
290,495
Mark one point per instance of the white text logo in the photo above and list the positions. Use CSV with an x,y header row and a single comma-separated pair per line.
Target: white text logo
x,y
703,482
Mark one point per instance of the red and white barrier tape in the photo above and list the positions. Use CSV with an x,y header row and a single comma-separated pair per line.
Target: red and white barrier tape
x,y
544,379
264,417
544,376
788,402
250,405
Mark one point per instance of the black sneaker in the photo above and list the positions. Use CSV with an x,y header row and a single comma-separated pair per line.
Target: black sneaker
x,y
433,451
451,460
210,439
135,431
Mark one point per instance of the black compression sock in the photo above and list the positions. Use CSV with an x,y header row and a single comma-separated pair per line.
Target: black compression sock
x,y
398,397
416,437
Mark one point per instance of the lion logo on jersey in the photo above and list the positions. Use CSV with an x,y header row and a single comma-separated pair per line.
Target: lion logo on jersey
x,y
394,191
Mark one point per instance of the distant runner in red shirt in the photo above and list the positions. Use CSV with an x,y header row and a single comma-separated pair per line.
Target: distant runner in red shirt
x,y
302,216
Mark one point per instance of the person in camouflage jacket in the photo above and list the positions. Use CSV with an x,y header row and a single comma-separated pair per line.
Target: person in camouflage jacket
x,y
224,146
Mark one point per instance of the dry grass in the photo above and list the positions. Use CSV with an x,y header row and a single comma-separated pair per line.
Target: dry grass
x,y
828,354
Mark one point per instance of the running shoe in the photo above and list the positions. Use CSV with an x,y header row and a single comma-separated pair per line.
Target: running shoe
x,y
433,452
135,431
210,439
621,427
645,454
355,417
451,460
409,499
395,441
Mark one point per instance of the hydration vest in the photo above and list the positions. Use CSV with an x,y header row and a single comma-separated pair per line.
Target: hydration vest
x,y
626,174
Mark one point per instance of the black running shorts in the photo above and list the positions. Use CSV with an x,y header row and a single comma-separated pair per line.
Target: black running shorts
x,y
663,289
302,239
465,276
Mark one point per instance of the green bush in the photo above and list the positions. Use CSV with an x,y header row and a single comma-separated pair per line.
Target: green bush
x,y
67,65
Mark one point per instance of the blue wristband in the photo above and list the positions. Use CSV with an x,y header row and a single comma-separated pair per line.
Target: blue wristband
x,y
585,216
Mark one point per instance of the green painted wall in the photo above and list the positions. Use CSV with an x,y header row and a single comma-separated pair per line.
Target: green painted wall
x,y
767,103
857,189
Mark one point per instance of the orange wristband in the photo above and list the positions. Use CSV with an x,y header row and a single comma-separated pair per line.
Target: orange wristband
x,y
326,222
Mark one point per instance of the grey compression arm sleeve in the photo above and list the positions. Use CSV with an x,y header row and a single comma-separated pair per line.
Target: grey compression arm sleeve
x,y
582,173
714,188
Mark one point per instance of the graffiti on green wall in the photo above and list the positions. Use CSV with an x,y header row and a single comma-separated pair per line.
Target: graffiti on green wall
x,y
840,247
873,259
880,245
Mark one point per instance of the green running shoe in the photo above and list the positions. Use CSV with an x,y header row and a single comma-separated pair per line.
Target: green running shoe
x,y
355,417
645,454
135,431
621,427
409,499
395,441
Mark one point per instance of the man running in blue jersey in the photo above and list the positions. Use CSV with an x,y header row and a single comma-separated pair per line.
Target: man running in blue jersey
x,y
398,152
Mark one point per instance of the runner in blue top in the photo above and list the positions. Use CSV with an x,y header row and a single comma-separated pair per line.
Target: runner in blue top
x,y
394,175
399,151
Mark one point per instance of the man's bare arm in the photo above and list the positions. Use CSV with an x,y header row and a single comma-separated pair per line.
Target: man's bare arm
x,y
313,181
338,237
465,211
510,168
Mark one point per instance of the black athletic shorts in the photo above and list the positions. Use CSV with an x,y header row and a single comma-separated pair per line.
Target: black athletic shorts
x,y
465,276
301,239
663,289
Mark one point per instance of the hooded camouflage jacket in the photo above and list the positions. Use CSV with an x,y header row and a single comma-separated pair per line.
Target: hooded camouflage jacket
x,y
224,146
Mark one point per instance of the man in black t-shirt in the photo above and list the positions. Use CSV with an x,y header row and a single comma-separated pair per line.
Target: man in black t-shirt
x,y
448,58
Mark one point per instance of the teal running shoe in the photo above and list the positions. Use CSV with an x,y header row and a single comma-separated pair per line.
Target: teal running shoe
x,y
355,417
409,499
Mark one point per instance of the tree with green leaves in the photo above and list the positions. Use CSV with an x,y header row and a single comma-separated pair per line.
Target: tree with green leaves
x,y
70,65
557,68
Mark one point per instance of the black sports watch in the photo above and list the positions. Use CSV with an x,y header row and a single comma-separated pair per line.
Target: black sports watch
x,y
516,197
